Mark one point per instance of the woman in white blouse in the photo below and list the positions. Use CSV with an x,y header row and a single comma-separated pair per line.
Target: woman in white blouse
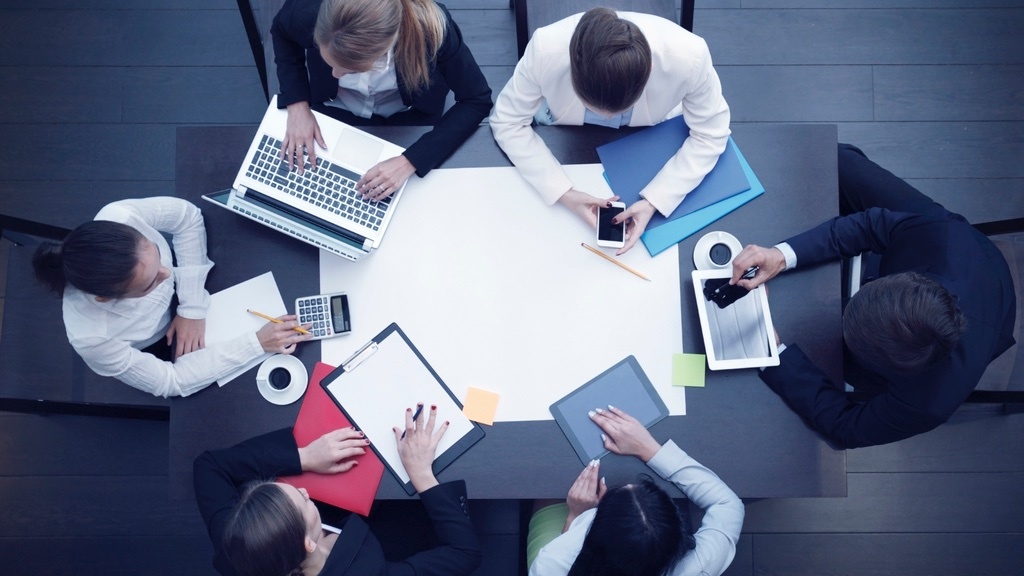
x,y
613,69
117,278
637,529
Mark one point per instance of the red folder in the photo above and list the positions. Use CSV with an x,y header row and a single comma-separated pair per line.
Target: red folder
x,y
353,490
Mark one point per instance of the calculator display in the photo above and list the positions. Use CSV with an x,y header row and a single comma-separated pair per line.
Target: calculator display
x,y
339,313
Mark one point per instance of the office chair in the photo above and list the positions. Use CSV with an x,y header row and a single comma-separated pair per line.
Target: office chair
x,y
1003,381
257,16
533,14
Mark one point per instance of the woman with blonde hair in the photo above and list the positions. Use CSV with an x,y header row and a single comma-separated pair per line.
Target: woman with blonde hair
x,y
377,62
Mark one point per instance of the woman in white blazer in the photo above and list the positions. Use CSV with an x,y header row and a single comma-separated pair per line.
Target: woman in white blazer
x,y
613,69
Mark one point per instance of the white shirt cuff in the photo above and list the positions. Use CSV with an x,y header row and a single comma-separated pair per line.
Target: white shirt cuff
x,y
788,253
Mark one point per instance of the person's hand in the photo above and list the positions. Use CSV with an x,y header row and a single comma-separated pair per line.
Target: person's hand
x,y
770,262
584,205
624,434
418,446
586,492
282,337
188,335
301,133
636,217
332,453
385,178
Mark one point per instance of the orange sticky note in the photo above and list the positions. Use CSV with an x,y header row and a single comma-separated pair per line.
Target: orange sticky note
x,y
480,405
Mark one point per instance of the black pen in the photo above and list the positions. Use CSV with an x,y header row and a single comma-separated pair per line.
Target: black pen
x,y
415,415
750,273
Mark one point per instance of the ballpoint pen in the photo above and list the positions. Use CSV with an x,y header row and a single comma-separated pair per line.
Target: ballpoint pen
x,y
419,409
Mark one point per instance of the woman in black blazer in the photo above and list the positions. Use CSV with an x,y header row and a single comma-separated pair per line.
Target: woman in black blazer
x,y
260,527
395,61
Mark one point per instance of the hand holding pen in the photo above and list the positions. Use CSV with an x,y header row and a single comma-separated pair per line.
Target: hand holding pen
x,y
756,265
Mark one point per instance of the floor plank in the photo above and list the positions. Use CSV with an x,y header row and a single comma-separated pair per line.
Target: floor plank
x,y
62,445
60,94
127,556
941,149
228,95
888,554
894,503
797,93
783,37
949,93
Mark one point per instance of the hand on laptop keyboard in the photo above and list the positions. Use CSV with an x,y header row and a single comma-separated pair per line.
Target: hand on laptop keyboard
x,y
385,178
300,135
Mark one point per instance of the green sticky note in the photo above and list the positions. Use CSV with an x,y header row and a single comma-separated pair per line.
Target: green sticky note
x,y
688,370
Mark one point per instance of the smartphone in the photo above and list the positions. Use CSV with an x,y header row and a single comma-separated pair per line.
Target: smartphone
x,y
611,235
328,313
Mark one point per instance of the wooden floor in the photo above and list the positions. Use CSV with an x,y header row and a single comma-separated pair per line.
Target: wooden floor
x,y
93,90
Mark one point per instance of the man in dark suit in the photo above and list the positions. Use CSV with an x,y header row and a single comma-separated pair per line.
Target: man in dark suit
x,y
920,336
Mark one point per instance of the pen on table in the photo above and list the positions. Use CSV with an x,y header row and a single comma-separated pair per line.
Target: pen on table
x,y
415,415
299,329
613,260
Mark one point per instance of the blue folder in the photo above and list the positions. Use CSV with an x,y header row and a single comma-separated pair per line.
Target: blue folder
x,y
670,233
631,163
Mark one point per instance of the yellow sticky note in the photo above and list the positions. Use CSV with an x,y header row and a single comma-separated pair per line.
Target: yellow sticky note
x,y
480,405
688,370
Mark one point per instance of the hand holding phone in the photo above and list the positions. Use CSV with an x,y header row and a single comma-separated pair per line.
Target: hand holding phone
x,y
610,235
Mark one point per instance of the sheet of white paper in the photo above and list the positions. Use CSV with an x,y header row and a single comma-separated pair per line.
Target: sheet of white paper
x,y
227,318
495,290
377,392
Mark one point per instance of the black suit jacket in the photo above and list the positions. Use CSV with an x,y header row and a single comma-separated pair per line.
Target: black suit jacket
x,y
220,475
305,77
944,248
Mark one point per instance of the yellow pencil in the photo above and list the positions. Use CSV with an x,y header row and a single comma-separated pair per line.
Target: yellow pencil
x,y
613,260
276,321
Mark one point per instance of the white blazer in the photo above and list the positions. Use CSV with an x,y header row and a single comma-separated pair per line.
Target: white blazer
x,y
682,80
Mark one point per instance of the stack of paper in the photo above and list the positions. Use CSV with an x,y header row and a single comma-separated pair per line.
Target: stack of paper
x,y
632,162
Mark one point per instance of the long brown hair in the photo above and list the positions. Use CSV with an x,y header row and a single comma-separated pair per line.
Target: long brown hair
x,y
357,32
265,533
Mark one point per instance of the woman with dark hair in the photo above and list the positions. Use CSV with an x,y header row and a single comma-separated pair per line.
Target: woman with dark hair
x,y
637,529
118,281
372,62
613,69
264,528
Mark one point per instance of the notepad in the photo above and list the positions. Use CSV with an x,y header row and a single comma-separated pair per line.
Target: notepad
x,y
688,370
382,379
481,405
227,318
625,386
353,490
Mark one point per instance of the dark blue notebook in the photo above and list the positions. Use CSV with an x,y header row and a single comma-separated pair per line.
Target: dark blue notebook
x,y
631,163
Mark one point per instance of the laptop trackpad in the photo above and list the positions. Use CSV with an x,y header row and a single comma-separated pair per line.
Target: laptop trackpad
x,y
357,150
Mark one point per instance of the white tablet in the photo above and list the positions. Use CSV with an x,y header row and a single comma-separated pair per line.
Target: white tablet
x,y
740,335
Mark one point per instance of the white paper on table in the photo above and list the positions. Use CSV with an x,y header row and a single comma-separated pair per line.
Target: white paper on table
x,y
228,316
496,291
377,392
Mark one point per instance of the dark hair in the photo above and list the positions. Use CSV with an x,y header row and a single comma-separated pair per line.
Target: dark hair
x,y
610,60
902,323
98,257
637,531
265,533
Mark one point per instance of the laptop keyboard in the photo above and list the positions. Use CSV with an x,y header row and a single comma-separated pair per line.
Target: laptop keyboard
x,y
329,187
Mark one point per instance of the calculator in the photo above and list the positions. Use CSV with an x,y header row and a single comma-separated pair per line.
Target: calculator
x,y
328,314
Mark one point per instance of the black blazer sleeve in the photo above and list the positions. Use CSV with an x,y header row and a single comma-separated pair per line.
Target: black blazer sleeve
x,y
846,424
846,236
218,477
358,551
457,70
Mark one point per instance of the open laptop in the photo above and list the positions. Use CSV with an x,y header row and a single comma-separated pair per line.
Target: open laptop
x,y
319,207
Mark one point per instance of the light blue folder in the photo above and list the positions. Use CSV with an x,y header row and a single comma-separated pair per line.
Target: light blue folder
x,y
658,239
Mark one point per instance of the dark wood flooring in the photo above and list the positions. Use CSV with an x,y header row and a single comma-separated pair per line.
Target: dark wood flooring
x,y
92,91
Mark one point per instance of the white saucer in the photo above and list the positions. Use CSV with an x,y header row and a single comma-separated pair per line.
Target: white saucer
x,y
295,388
702,251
